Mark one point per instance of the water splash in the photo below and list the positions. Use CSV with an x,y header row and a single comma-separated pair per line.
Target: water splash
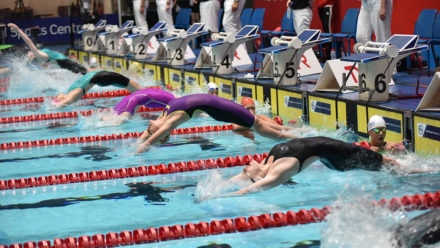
x,y
213,185
28,80
359,223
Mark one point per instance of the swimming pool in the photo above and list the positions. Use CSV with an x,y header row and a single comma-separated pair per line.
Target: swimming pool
x,y
86,184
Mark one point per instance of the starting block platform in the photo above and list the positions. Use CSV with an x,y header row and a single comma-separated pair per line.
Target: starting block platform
x,y
174,48
219,53
377,62
141,37
113,38
90,36
282,61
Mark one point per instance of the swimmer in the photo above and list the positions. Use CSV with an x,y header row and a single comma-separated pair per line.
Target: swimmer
x,y
377,133
152,98
421,231
292,157
47,55
212,89
182,109
101,78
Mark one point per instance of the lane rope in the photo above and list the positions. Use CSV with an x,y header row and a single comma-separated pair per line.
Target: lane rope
x,y
126,172
65,115
89,95
106,137
428,200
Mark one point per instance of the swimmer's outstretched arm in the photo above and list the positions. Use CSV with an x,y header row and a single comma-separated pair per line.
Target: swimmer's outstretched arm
x,y
271,130
39,54
393,165
171,122
5,70
71,97
282,171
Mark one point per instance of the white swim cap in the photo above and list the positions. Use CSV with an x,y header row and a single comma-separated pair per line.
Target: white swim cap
x,y
212,85
376,121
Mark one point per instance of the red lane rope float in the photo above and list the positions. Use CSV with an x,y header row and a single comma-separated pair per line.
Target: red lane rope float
x,y
126,172
63,115
4,81
107,137
222,226
100,94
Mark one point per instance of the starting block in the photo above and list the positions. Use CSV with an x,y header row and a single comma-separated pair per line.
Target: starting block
x,y
377,61
140,39
219,53
113,40
282,61
89,33
174,47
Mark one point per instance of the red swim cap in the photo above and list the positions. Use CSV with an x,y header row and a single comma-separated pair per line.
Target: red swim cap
x,y
278,119
247,102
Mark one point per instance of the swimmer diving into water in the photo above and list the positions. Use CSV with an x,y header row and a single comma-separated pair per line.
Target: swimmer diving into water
x,y
182,109
101,78
47,55
152,98
288,159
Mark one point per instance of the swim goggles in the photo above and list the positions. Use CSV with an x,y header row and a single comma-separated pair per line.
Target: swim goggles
x,y
378,130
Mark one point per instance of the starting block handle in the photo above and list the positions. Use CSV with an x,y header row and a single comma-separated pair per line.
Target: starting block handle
x,y
111,28
88,27
227,37
377,47
290,41
140,30
377,44
181,33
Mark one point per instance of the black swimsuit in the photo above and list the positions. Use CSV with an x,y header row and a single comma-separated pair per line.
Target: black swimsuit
x,y
333,153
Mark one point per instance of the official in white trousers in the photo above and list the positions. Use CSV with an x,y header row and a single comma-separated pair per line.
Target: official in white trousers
x,y
231,17
140,8
374,16
209,14
165,12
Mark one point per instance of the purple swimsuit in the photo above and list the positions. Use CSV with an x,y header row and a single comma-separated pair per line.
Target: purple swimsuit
x,y
153,98
220,109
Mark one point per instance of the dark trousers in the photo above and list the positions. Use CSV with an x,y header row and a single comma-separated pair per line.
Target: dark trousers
x,y
325,15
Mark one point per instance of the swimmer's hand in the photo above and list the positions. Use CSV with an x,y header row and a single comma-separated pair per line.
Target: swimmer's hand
x,y
399,168
143,148
13,26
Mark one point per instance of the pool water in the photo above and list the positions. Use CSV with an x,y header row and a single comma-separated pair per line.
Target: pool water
x,y
116,205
